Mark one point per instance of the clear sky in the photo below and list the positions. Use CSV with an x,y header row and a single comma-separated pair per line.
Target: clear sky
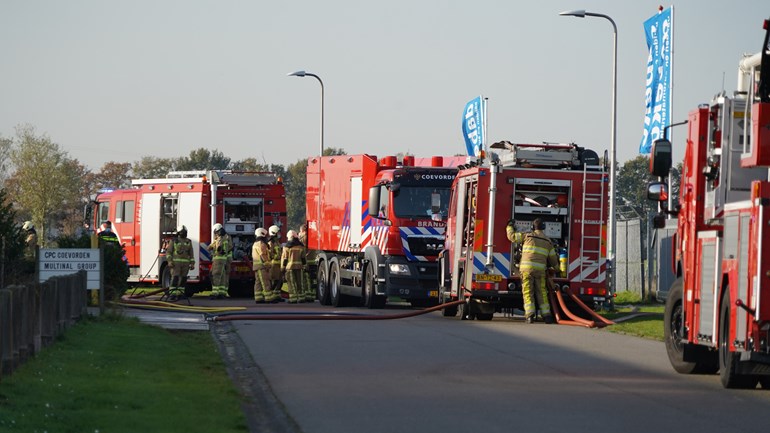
x,y
118,80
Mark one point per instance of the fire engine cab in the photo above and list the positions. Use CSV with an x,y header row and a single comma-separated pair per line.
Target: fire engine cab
x,y
564,185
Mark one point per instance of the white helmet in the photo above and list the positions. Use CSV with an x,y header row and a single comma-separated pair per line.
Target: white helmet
x,y
260,232
28,225
274,230
291,235
217,227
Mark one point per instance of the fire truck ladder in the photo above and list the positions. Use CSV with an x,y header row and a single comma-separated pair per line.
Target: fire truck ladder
x,y
592,219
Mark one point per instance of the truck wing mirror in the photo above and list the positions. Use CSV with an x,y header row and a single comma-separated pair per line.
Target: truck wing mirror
x,y
657,191
660,158
374,201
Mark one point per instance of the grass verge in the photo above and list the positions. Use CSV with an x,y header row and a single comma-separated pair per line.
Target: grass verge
x,y
116,374
635,317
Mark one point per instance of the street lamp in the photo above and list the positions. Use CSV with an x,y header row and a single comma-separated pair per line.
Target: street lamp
x,y
321,150
611,233
309,74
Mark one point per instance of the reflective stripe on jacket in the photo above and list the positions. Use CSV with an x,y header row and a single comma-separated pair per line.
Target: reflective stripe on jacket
x,y
537,252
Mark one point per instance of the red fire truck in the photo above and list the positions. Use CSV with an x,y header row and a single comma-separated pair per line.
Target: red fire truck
x,y
145,217
562,184
377,226
717,312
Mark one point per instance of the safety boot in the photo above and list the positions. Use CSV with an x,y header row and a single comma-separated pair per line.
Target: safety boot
x,y
530,319
548,319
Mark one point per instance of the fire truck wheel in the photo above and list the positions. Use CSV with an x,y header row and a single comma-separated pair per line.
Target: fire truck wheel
x,y
369,297
673,319
465,311
165,277
449,311
334,286
322,286
765,382
728,361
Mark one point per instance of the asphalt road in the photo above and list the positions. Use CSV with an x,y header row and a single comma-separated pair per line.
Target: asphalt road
x,y
435,374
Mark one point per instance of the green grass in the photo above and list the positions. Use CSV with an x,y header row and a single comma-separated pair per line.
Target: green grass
x,y
118,375
647,325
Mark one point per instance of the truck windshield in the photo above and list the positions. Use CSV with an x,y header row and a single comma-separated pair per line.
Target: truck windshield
x,y
421,202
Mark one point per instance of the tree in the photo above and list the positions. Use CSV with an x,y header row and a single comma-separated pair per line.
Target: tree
x,y
203,159
249,164
11,240
152,167
115,175
5,152
69,218
631,181
43,182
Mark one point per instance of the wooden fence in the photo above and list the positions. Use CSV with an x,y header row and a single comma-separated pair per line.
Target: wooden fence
x,y
31,317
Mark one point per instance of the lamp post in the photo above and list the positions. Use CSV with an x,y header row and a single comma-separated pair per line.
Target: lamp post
x,y
611,232
321,149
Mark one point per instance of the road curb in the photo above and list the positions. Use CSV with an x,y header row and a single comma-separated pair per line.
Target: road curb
x,y
264,412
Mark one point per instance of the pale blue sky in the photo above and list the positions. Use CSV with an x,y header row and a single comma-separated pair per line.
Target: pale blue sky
x,y
115,81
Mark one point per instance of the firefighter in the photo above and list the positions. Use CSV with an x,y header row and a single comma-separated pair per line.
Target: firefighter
x,y
262,264
30,241
106,236
537,256
221,249
307,287
30,246
180,257
274,242
292,262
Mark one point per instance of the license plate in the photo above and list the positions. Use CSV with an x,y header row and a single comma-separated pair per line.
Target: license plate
x,y
489,277
433,293
242,269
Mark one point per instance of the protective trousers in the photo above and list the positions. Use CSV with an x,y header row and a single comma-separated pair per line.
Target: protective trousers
x,y
533,289
220,277
294,280
308,291
179,271
263,290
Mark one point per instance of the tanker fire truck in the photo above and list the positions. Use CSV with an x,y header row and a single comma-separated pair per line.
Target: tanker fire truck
x,y
564,185
146,216
380,228
717,313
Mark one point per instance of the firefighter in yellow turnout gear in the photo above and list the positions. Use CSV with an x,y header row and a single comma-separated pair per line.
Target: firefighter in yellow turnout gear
x,y
180,257
274,242
307,287
537,255
292,262
260,254
221,249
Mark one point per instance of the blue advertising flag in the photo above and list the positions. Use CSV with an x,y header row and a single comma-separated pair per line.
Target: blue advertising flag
x,y
657,95
473,126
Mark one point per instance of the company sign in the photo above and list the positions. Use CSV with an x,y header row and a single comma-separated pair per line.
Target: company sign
x,y
65,261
